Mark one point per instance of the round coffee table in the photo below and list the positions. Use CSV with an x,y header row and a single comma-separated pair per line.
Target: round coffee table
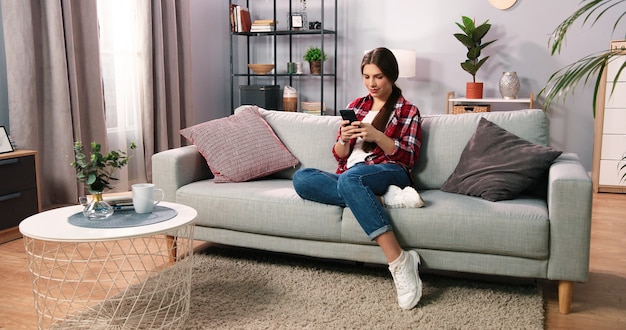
x,y
132,277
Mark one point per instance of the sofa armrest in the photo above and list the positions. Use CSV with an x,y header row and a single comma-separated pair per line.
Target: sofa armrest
x,y
174,168
570,195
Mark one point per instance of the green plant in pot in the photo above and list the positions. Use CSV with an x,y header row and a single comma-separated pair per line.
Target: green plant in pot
x,y
315,56
587,68
472,39
96,172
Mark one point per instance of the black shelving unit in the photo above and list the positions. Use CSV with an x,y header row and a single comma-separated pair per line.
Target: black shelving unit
x,y
286,39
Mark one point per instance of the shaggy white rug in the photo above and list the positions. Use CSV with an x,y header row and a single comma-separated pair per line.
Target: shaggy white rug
x,y
248,289
243,289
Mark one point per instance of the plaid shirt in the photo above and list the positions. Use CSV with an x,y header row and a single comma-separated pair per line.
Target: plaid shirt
x,y
404,127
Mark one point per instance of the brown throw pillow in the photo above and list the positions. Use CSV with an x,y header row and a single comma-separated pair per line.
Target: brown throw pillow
x,y
240,147
498,165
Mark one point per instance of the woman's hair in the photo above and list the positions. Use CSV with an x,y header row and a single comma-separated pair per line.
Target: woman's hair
x,y
384,59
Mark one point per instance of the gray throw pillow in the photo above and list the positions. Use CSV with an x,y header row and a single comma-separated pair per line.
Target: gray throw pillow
x,y
498,165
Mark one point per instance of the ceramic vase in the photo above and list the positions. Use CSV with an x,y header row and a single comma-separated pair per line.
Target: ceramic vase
x,y
97,208
509,85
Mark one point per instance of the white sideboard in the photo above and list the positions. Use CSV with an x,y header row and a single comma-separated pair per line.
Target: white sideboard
x,y
452,100
610,130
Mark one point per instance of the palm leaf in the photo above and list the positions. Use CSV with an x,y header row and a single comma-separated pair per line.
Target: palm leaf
x,y
588,9
621,167
565,80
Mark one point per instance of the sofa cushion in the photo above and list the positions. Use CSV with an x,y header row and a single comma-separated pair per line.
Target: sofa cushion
x,y
460,223
240,147
445,136
310,138
498,165
266,206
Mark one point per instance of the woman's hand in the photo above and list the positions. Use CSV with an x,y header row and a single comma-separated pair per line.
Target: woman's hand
x,y
368,133
348,130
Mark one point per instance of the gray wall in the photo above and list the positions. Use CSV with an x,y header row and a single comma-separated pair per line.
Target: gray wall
x,y
427,27
522,34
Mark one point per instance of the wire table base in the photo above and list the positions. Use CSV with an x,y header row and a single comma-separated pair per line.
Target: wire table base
x,y
132,283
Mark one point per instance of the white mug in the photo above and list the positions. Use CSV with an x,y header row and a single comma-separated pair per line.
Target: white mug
x,y
143,197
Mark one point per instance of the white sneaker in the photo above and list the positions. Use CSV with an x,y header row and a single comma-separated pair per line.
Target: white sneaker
x,y
407,280
395,197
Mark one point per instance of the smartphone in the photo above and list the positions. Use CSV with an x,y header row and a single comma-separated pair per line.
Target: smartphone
x,y
348,115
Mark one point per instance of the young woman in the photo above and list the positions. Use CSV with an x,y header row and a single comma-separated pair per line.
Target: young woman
x,y
373,153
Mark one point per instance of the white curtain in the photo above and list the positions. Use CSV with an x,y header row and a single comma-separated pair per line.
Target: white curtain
x,y
125,50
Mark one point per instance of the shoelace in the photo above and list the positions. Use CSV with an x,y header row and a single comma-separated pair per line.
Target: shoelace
x,y
400,278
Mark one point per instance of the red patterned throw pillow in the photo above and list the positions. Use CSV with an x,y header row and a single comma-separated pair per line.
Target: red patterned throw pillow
x,y
240,147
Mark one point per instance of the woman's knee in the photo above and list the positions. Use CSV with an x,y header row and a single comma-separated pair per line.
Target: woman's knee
x,y
347,182
301,176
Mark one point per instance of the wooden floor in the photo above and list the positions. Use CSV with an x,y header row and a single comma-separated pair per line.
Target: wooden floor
x,y
599,303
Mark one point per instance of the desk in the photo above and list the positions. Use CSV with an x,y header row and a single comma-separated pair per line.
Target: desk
x,y
110,277
451,100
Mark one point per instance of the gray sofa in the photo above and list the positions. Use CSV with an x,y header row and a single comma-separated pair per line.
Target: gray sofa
x,y
528,237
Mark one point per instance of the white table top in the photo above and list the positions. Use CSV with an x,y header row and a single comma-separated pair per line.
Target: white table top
x,y
489,100
52,225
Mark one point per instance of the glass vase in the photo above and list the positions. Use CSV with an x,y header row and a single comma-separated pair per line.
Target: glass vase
x,y
97,208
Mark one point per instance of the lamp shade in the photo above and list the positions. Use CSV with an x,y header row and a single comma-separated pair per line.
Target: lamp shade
x,y
406,62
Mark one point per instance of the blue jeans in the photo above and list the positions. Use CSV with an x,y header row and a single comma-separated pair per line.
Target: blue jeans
x,y
357,189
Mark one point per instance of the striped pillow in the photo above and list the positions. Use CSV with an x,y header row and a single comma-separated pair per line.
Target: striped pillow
x,y
240,147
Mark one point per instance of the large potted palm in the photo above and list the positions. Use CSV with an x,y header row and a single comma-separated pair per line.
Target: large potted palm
x,y
471,38
565,80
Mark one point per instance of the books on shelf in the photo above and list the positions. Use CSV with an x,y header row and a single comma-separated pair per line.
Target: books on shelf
x,y
263,25
240,20
263,22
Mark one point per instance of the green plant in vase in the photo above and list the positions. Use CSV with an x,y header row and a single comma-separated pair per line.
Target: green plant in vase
x,y
315,56
96,172
471,38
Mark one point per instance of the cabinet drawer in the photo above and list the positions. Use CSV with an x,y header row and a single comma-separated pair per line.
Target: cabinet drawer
x,y
615,98
17,174
613,68
614,121
609,173
17,207
613,147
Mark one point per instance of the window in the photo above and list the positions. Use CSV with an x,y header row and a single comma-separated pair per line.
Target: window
x,y
125,60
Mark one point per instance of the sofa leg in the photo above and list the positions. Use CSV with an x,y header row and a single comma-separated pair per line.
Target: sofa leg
x,y
566,290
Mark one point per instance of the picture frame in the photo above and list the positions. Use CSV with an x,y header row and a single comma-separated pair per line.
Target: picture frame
x,y
297,21
5,142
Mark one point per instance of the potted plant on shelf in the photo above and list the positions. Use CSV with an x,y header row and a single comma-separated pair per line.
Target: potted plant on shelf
x,y
471,38
315,56
96,172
